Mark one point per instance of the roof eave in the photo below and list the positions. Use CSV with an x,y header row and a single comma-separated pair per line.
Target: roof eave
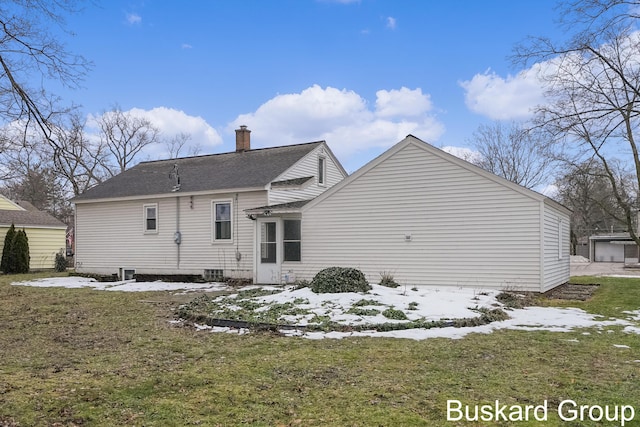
x,y
25,225
166,195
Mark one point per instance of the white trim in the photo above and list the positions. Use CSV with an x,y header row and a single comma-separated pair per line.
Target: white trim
x,y
145,212
170,195
215,202
541,249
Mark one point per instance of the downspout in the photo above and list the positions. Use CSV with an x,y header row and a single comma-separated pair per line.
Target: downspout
x,y
237,239
177,238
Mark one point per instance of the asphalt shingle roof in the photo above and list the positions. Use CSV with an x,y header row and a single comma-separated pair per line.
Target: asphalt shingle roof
x,y
28,218
249,169
295,205
291,182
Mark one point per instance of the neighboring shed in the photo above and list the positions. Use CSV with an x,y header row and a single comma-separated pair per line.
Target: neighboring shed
x,y
46,234
427,217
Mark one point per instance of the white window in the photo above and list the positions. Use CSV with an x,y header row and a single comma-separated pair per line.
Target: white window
x,y
222,217
322,170
150,218
292,240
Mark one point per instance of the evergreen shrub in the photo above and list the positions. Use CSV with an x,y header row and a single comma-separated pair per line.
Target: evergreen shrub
x,y
6,250
61,263
339,279
20,252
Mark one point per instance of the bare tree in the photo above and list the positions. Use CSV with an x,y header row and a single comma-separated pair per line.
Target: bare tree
x,y
585,189
125,135
82,161
177,143
33,177
593,95
30,48
514,152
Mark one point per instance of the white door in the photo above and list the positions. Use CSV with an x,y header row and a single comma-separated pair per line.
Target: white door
x,y
268,256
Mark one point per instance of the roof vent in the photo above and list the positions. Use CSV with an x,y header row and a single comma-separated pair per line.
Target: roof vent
x,y
243,139
176,176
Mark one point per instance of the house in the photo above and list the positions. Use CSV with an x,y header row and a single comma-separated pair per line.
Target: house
x,y
425,217
617,247
46,234
186,216
279,214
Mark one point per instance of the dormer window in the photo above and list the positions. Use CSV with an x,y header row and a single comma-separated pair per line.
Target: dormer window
x,y
322,170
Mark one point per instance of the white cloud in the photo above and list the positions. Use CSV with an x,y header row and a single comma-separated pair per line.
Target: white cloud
x,y
391,22
514,97
342,118
133,18
463,153
509,98
549,190
186,46
402,102
172,122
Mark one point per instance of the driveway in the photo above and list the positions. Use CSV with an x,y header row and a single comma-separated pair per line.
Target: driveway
x,y
602,269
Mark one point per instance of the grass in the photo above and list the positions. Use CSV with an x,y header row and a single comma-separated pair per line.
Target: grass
x,y
80,357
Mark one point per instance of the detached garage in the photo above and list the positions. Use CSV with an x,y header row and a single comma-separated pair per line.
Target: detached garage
x,y
429,218
613,248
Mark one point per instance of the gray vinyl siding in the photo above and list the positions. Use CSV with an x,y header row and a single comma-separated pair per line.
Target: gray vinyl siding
x,y
110,235
556,268
465,229
307,166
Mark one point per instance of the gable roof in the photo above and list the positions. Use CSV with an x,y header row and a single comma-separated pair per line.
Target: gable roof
x,y
29,218
26,215
412,140
227,171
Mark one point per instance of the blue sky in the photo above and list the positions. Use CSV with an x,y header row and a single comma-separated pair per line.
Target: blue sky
x,y
359,74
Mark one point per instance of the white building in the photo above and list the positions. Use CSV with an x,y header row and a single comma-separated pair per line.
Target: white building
x,y
284,213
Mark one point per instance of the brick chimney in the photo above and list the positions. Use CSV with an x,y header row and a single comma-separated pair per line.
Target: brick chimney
x,y
243,139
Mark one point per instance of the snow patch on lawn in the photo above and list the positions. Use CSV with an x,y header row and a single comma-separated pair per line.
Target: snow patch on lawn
x,y
425,302
124,286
